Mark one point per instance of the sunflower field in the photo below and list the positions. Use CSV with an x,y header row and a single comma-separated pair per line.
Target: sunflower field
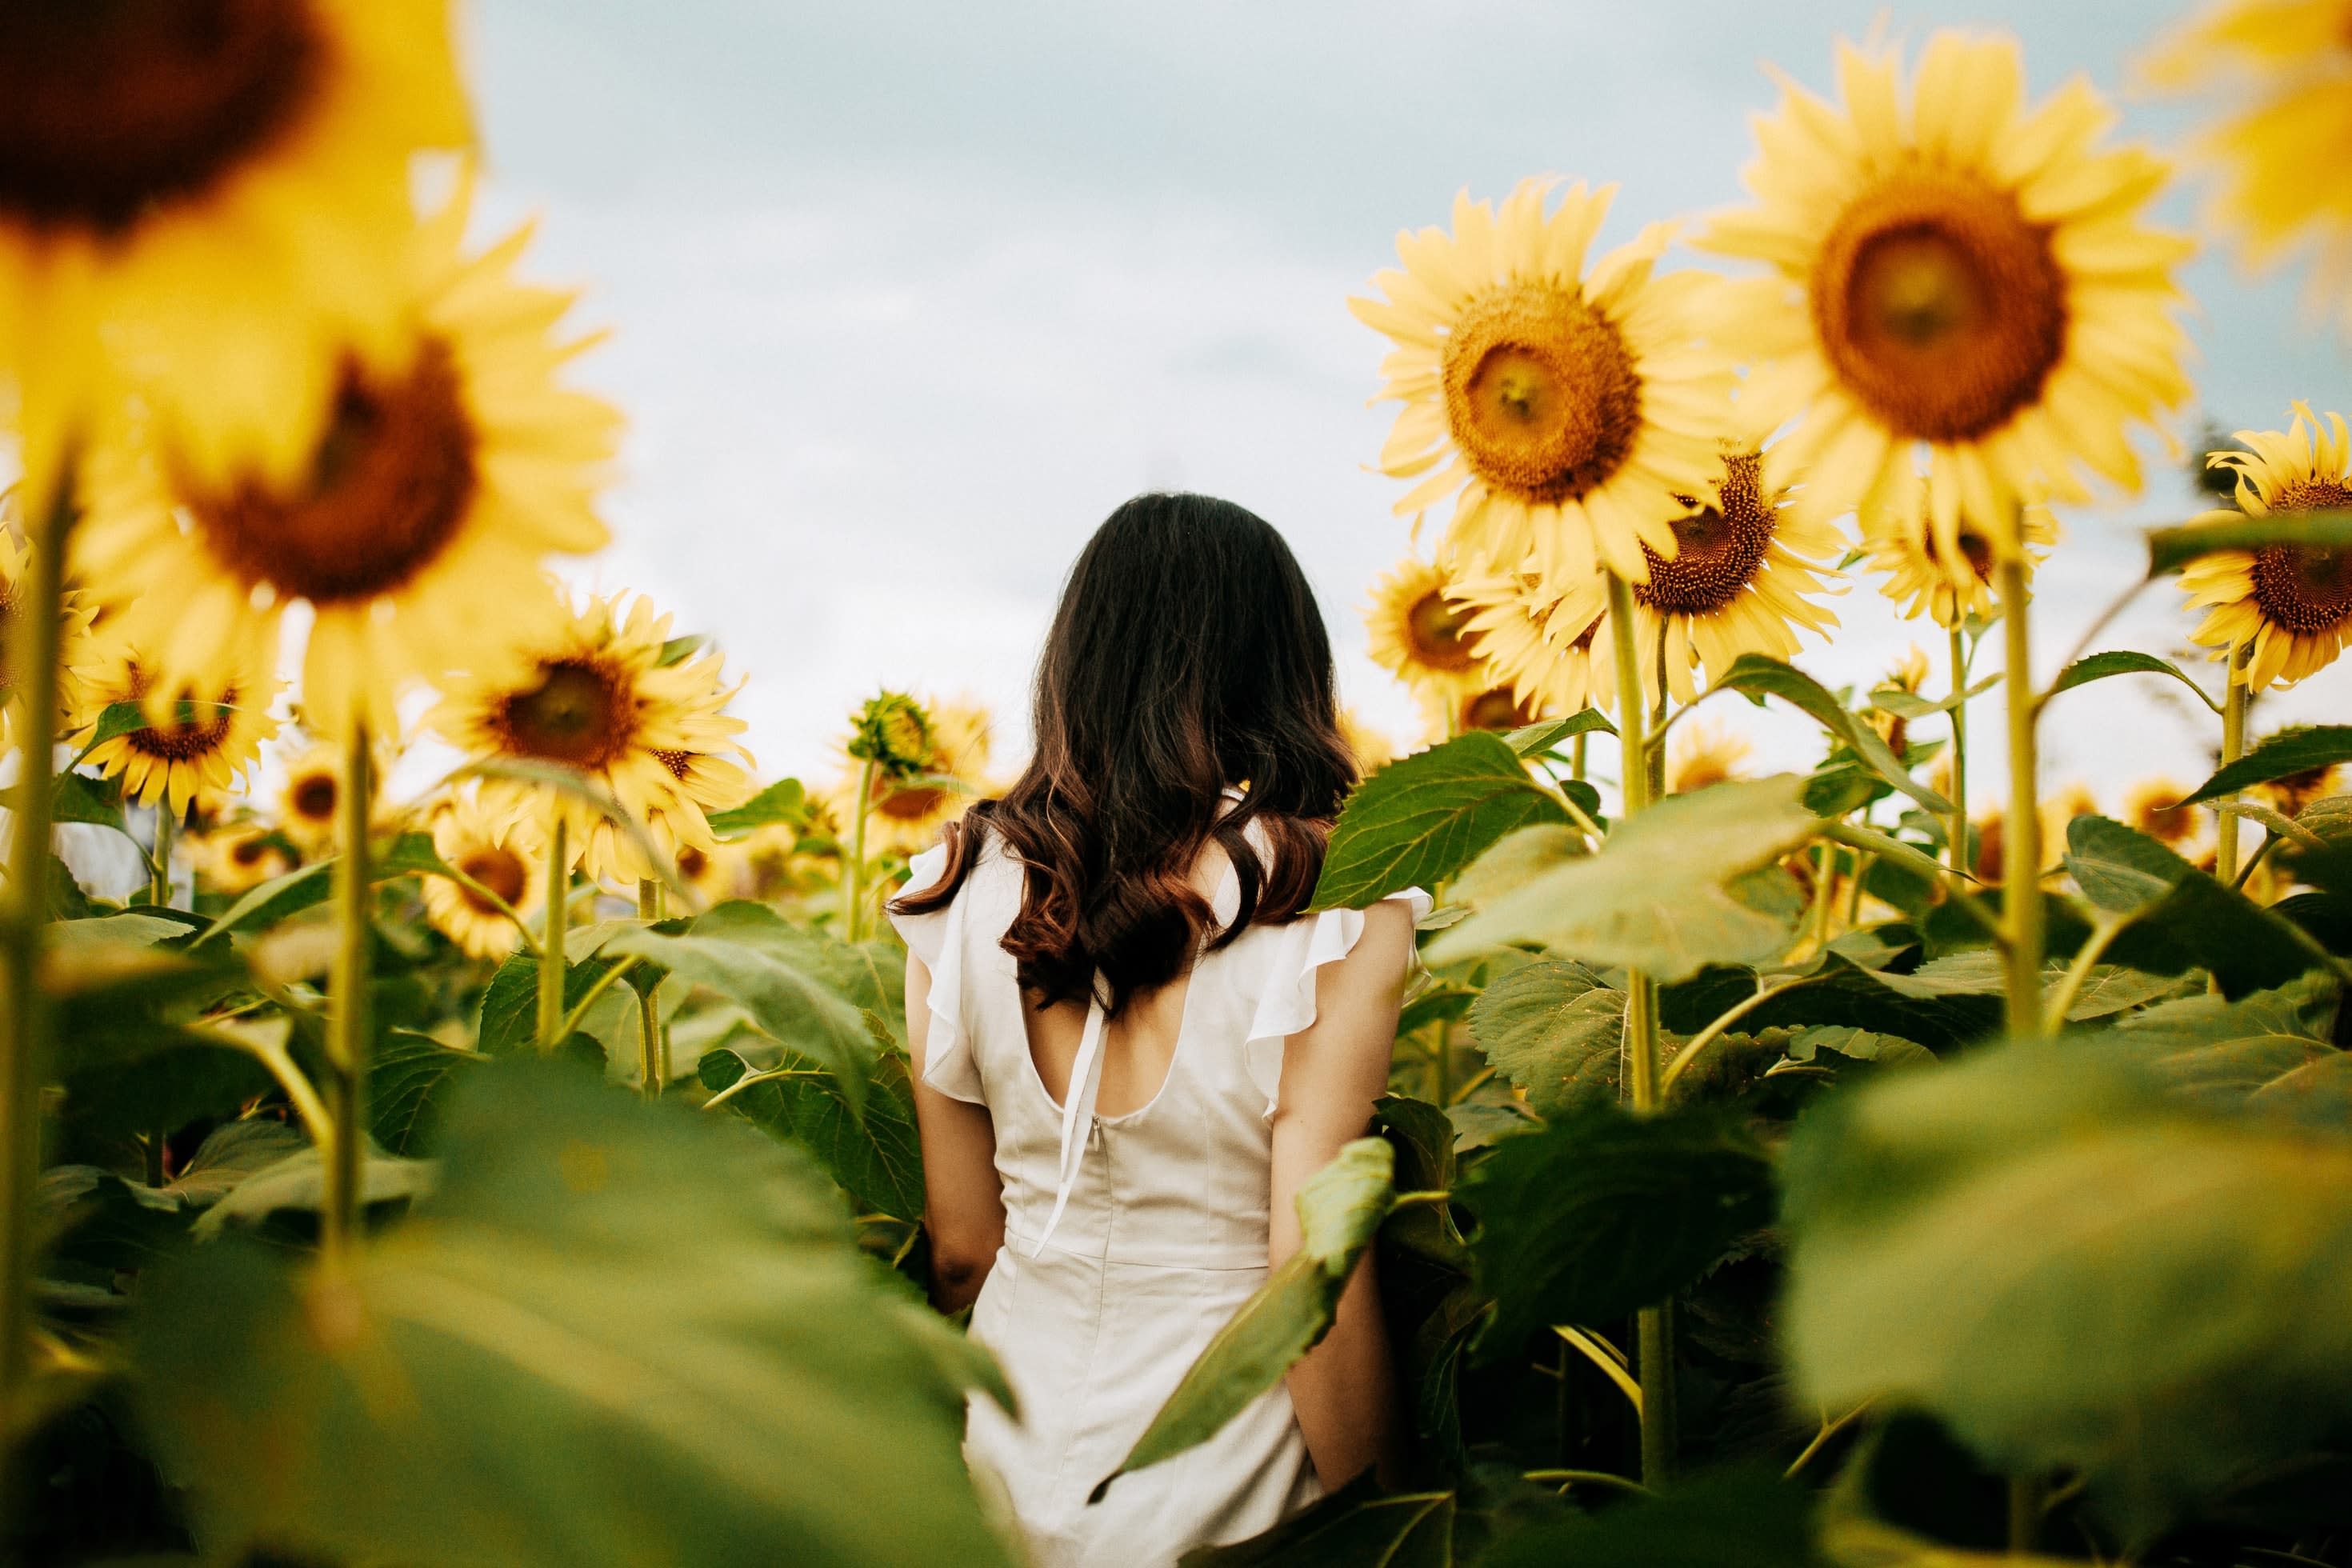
x,y
1877,1165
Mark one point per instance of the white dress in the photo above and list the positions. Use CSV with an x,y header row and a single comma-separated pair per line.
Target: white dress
x,y
1121,1261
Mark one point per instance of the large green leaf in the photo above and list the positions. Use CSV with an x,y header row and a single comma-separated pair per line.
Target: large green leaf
x,y
1737,1519
2273,1051
1339,1209
1556,1030
1418,822
1662,895
878,1162
2180,917
1758,676
1602,1212
617,1333
2170,549
410,1076
2295,750
870,976
748,954
510,1012
1843,991
2102,666
2075,1270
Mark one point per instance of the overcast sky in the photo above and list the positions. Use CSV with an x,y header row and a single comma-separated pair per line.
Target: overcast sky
x,y
905,297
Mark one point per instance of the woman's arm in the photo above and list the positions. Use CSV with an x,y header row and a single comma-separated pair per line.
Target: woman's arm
x,y
1331,1074
963,1205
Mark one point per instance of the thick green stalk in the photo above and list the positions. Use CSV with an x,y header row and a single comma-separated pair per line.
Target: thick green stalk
x,y
653,1055
2022,919
1654,1326
1960,829
31,653
347,1034
2234,705
551,945
159,887
853,876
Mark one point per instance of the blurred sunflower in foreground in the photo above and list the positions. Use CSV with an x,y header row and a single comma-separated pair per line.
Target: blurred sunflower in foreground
x,y
415,525
2293,602
2283,152
1568,407
75,647
192,749
502,859
206,202
596,697
1923,578
1418,635
1742,579
1950,271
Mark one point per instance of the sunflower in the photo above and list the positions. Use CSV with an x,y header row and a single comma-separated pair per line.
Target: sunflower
x,y
240,855
1742,579
306,806
1497,708
75,646
1418,635
2152,806
1552,662
595,696
193,748
503,856
721,872
419,522
1958,275
1923,578
2291,793
1705,754
1908,674
905,814
2293,602
2281,156
1569,408
207,200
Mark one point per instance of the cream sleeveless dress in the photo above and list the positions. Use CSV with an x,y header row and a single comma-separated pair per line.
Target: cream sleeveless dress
x,y
1129,1240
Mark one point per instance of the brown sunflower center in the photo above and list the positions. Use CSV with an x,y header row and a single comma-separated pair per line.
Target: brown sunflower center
x,y
906,802
313,797
1540,392
1939,307
196,731
692,863
247,852
389,488
1435,631
576,714
1976,550
1718,549
1496,708
108,107
2303,588
501,870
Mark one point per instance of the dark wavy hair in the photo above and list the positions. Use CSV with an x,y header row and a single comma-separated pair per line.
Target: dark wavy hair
x,y
1187,656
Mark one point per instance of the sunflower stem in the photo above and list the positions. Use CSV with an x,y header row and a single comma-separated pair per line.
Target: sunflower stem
x,y
347,1031
1576,756
158,884
1654,1326
652,1067
32,650
551,945
853,876
2021,839
2234,704
1958,847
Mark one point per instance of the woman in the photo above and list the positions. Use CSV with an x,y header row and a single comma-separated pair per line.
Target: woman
x,y
1130,1047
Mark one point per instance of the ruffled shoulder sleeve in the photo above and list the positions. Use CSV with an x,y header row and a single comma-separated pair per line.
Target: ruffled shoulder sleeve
x,y
1287,1005
938,939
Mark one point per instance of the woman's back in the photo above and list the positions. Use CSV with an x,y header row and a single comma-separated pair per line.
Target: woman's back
x,y
1129,1238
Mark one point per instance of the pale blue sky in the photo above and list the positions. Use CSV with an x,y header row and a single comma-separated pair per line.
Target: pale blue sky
x,y
905,297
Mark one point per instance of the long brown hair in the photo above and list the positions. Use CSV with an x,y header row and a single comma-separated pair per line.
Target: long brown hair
x,y
1187,656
